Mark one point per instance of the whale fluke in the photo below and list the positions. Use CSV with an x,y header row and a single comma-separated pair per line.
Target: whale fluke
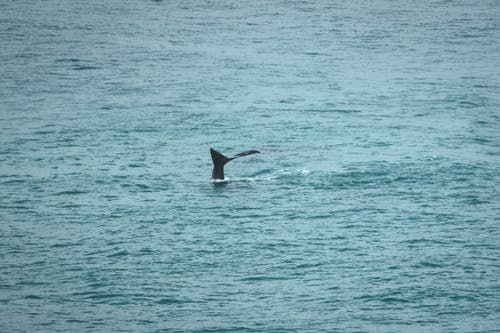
x,y
221,160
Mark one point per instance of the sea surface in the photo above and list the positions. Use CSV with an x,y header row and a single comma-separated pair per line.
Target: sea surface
x,y
374,205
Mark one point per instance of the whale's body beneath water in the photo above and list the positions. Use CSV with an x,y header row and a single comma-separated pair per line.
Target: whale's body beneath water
x,y
221,160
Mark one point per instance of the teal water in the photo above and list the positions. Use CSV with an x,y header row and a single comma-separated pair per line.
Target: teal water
x,y
373,206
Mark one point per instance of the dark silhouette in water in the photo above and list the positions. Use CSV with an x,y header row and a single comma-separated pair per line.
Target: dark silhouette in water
x,y
221,160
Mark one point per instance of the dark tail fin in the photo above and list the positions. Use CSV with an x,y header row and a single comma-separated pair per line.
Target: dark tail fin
x,y
221,160
245,153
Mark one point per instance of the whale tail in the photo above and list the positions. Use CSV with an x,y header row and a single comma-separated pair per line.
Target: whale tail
x,y
220,160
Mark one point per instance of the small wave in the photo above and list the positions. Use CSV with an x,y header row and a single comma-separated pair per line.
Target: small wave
x,y
391,299
14,181
84,68
427,264
100,296
44,132
228,180
70,60
262,278
165,301
59,245
304,172
309,265
136,165
333,110
267,175
142,186
283,174
33,297
118,254
70,192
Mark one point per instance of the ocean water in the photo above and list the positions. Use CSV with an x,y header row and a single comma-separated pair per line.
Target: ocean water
x,y
374,205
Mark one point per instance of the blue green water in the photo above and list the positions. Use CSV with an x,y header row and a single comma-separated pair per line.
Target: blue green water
x,y
374,205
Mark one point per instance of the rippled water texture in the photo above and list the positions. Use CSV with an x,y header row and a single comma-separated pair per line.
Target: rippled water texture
x,y
373,206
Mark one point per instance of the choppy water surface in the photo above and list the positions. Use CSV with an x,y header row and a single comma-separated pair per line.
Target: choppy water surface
x,y
373,207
